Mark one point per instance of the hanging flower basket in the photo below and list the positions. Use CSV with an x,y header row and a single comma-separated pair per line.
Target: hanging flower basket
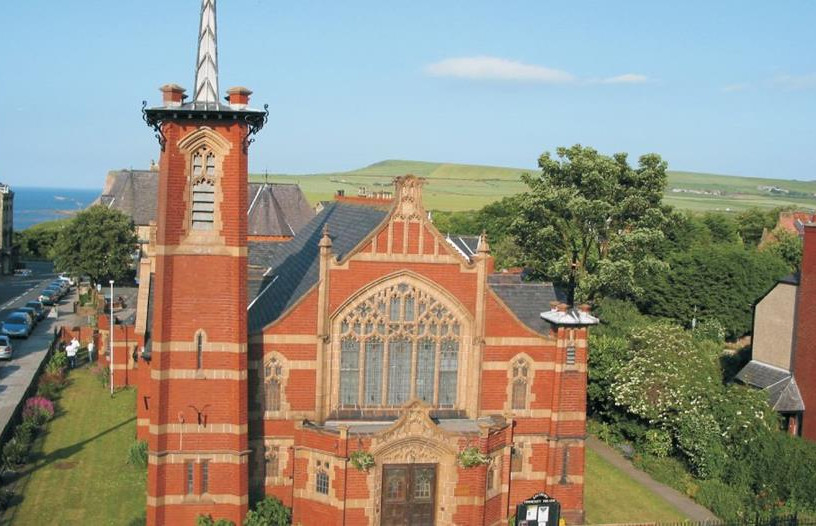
x,y
470,457
362,460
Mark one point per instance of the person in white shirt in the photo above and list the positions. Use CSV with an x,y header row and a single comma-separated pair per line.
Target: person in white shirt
x,y
90,352
71,351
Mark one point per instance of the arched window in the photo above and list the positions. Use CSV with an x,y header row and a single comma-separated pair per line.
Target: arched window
x,y
203,190
273,376
322,478
397,344
520,381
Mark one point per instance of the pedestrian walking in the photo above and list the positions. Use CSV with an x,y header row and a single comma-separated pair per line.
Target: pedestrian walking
x,y
71,351
90,352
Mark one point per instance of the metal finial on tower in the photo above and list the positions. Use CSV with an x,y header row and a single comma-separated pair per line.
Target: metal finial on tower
x,y
206,80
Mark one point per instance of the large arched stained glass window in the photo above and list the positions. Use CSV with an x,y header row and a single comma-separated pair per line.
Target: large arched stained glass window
x,y
398,344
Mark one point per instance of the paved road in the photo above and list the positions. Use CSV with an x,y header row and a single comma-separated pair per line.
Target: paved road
x,y
16,374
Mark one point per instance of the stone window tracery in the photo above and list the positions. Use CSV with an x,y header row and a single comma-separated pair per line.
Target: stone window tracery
x,y
273,381
203,189
271,462
521,371
397,344
322,478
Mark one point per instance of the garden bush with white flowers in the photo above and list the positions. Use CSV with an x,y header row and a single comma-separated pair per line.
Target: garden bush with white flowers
x,y
659,387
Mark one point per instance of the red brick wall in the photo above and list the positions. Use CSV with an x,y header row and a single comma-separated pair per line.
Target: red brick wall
x,y
804,359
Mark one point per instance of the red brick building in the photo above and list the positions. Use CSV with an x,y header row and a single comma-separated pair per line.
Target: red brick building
x,y
351,370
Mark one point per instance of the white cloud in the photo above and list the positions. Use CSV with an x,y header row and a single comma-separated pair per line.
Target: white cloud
x,y
502,69
494,68
626,78
731,88
796,82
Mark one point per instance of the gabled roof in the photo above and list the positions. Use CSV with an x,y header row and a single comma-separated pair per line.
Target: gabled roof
x,y
468,246
783,393
276,209
132,192
527,300
294,267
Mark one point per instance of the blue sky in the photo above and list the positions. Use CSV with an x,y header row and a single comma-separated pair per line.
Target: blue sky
x,y
723,87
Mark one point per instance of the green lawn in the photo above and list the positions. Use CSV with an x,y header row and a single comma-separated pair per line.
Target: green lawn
x,y
80,474
453,186
610,496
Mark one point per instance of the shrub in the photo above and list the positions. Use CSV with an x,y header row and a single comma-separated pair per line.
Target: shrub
x,y
25,432
669,471
15,452
58,378
657,442
269,512
5,498
58,361
137,454
710,329
207,520
471,457
102,373
725,501
361,460
38,410
47,388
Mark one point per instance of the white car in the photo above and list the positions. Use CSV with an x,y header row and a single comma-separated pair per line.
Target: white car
x,y
66,278
5,347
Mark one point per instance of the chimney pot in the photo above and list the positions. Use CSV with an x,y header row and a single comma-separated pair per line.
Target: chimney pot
x,y
238,97
172,95
562,307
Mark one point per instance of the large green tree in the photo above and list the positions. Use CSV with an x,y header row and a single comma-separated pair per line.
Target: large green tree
x,y
599,208
97,242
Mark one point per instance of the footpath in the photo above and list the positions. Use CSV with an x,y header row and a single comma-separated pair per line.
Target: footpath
x,y
687,506
16,374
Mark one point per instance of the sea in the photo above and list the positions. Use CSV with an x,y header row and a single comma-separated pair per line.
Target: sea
x,y
35,205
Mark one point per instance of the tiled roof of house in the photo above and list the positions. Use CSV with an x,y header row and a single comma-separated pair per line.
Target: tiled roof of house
x,y
132,192
294,266
276,209
527,300
465,245
783,393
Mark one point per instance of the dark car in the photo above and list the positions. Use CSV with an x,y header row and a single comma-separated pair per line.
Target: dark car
x,y
38,307
17,324
48,297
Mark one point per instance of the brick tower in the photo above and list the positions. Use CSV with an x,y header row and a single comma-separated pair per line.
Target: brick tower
x,y
197,404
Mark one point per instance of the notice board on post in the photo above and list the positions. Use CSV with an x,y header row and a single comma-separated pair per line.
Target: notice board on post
x,y
538,510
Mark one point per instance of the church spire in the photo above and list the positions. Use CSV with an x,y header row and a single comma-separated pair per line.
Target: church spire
x,y
206,80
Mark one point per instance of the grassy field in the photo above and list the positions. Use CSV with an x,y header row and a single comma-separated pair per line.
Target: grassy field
x,y
610,496
469,187
80,475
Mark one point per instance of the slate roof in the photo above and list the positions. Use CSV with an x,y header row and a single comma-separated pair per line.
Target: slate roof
x,y
276,209
791,279
133,192
294,267
465,245
783,393
527,300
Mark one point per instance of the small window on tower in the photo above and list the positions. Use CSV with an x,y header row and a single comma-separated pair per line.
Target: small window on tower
x,y
203,195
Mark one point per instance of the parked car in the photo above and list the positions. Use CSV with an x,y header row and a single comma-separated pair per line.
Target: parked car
x,y
48,297
60,285
66,278
56,290
17,324
38,307
5,347
31,313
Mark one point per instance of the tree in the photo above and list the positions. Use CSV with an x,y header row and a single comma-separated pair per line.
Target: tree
x,y
720,281
598,208
753,222
37,242
723,228
98,242
787,246
269,512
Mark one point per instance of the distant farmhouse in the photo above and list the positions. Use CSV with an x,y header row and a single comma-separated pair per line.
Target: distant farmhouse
x,y
6,229
783,361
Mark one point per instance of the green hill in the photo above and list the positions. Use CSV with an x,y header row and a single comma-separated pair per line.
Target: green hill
x,y
466,187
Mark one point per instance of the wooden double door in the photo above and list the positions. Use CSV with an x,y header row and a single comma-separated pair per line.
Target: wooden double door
x,y
408,494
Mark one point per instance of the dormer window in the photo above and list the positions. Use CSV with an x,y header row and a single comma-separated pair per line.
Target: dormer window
x,y
203,183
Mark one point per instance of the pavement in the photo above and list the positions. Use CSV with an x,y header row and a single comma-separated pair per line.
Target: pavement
x,y
16,374
684,504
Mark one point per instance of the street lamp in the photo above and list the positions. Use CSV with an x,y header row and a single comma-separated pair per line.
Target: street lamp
x,y
110,337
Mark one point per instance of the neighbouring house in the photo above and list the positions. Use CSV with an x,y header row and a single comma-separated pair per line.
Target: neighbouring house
x,y
367,371
793,222
7,253
783,351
